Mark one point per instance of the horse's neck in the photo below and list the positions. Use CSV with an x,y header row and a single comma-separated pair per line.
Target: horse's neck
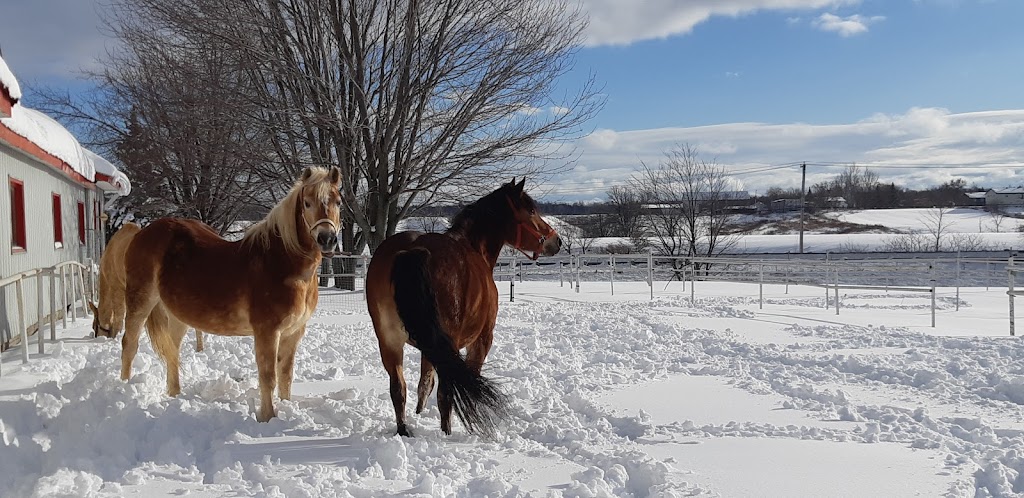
x,y
487,243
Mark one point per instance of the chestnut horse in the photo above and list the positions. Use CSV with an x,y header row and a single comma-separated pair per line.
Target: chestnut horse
x,y
436,292
181,273
108,313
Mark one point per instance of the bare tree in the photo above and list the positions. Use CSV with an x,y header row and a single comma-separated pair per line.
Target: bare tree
x,y
936,226
627,210
997,218
164,111
687,197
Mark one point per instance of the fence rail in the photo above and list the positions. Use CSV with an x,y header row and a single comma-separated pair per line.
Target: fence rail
x,y
70,278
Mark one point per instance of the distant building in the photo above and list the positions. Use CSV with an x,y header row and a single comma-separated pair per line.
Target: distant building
x,y
55,195
836,203
785,205
976,198
1005,197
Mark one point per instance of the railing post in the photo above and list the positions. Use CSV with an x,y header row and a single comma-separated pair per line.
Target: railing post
x,y
19,292
650,271
760,288
85,297
74,291
611,272
63,297
693,283
39,307
579,262
931,272
53,304
837,291
958,280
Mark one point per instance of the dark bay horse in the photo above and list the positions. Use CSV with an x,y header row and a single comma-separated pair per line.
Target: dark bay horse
x,y
436,292
181,273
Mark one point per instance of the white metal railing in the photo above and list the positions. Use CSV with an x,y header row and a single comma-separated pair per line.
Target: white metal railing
x,y
1012,269
906,274
68,272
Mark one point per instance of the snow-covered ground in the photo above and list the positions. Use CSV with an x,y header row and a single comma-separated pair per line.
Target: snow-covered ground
x,y
612,396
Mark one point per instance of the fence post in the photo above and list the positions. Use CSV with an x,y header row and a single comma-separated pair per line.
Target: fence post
x,y
693,283
1009,292
21,319
931,273
650,271
958,280
837,291
611,273
560,281
39,307
579,262
760,288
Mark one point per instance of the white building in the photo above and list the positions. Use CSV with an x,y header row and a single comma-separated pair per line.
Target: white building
x,y
1005,197
55,193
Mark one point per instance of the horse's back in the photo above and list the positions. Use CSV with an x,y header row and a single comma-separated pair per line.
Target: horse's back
x,y
195,272
462,282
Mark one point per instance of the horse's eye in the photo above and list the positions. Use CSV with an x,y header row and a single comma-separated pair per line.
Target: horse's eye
x,y
307,204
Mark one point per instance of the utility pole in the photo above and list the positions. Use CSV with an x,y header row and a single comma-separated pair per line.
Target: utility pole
x,y
803,202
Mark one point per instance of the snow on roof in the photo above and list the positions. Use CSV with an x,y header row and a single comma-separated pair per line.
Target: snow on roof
x,y
50,136
976,195
1009,190
117,180
8,81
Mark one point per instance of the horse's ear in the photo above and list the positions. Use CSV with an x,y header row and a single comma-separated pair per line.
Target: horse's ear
x,y
335,175
306,173
520,185
511,183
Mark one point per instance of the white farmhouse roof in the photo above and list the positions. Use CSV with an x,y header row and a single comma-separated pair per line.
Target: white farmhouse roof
x,y
50,136
8,81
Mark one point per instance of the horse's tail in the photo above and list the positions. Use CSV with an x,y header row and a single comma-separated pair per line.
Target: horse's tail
x,y
477,400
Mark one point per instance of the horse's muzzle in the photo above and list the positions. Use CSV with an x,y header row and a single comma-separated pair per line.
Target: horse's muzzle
x,y
552,245
328,242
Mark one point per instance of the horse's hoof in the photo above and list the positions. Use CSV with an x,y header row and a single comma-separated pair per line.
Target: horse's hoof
x,y
404,431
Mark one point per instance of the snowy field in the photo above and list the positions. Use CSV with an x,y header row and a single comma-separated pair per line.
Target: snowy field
x,y
612,396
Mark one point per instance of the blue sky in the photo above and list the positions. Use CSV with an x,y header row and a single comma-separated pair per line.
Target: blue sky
x,y
921,91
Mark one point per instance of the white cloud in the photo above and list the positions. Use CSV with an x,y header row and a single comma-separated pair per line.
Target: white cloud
x,y
845,26
558,110
621,22
919,148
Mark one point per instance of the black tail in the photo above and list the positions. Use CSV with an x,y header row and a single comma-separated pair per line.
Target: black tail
x,y
478,402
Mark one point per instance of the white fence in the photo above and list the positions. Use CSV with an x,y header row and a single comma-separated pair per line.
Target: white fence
x,y
75,290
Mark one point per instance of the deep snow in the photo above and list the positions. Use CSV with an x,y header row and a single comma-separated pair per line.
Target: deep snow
x,y
612,396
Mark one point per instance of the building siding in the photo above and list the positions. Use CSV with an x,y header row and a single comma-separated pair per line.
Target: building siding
x,y
41,182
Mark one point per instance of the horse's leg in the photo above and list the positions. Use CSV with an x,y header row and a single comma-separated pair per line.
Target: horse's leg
x,y
175,333
139,305
477,351
286,361
426,384
392,359
444,405
266,345
199,340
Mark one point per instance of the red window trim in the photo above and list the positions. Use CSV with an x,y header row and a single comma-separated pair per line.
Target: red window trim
x,y
81,222
58,222
19,234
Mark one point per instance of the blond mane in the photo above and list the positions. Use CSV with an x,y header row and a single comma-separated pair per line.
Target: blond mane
x,y
280,222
